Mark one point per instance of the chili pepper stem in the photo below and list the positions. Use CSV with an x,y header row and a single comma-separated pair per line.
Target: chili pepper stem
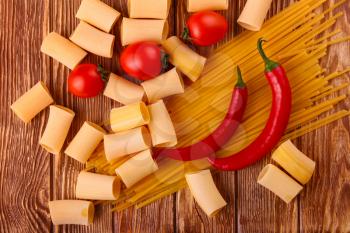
x,y
269,64
240,82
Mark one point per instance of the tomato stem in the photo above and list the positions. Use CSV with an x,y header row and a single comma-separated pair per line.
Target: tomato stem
x,y
104,73
164,60
186,34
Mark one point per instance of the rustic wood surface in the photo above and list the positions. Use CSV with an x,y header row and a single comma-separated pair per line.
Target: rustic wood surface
x,y
30,177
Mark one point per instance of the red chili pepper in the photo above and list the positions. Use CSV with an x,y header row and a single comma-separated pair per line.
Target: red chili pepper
x,y
222,133
275,126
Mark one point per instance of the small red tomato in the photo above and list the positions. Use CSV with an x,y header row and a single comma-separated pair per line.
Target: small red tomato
x,y
142,60
206,28
87,80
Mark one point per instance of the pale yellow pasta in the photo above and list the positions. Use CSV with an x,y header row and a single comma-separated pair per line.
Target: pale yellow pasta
x,y
136,168
57,127
32,102
123,91
151,9
85,142
296,163
279,183
129,117
137,30
71,212
201,5
253,14
205,192
98,14
62,50
127,142
185,59
94,186
161,127
167,84
93,40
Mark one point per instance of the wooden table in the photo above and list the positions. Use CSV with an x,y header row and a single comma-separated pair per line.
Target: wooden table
x,y
30,177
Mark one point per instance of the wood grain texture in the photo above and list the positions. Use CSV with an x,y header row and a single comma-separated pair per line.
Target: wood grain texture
x,y
30,177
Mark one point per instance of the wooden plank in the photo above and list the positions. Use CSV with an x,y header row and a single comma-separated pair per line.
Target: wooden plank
x,y
24,167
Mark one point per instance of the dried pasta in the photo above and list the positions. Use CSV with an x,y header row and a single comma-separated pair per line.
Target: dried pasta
x,y
149,9
253,14
71,212
201,5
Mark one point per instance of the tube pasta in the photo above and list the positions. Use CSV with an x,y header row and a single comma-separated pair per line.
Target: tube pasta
x,y
129,117
123,91
126,142
167,84
93,40
185,59
253,14
201,5
32,102
151,9
296,163
94,186
205,192
279,183
98,14
137,30
85,142
137,168
62,50
71,212
57,127
161,127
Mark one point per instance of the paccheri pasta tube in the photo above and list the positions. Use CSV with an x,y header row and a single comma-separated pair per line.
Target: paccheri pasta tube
x,y
294,162
62,50
137,30
201,5
151,9
98,14
71,212
279,183
93,40
85,142
32,102
161,127
57,127
253,14
136,168
94,186
123,91
185,59
205,193
167,84
126,142
129,116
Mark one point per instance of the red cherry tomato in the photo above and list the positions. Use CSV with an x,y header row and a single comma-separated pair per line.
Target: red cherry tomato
x,y
142,60
86,80
206,28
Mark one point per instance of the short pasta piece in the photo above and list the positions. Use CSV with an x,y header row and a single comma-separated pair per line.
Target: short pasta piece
x,y
253,14
126,143
123,91
279,183
167,84
205,192
98,14
137,30
32,102
94,186
129,117
136,168
93,40
161,127
71,212
85,142
185,59
201,5
57,127
296,163
62,50
151,9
